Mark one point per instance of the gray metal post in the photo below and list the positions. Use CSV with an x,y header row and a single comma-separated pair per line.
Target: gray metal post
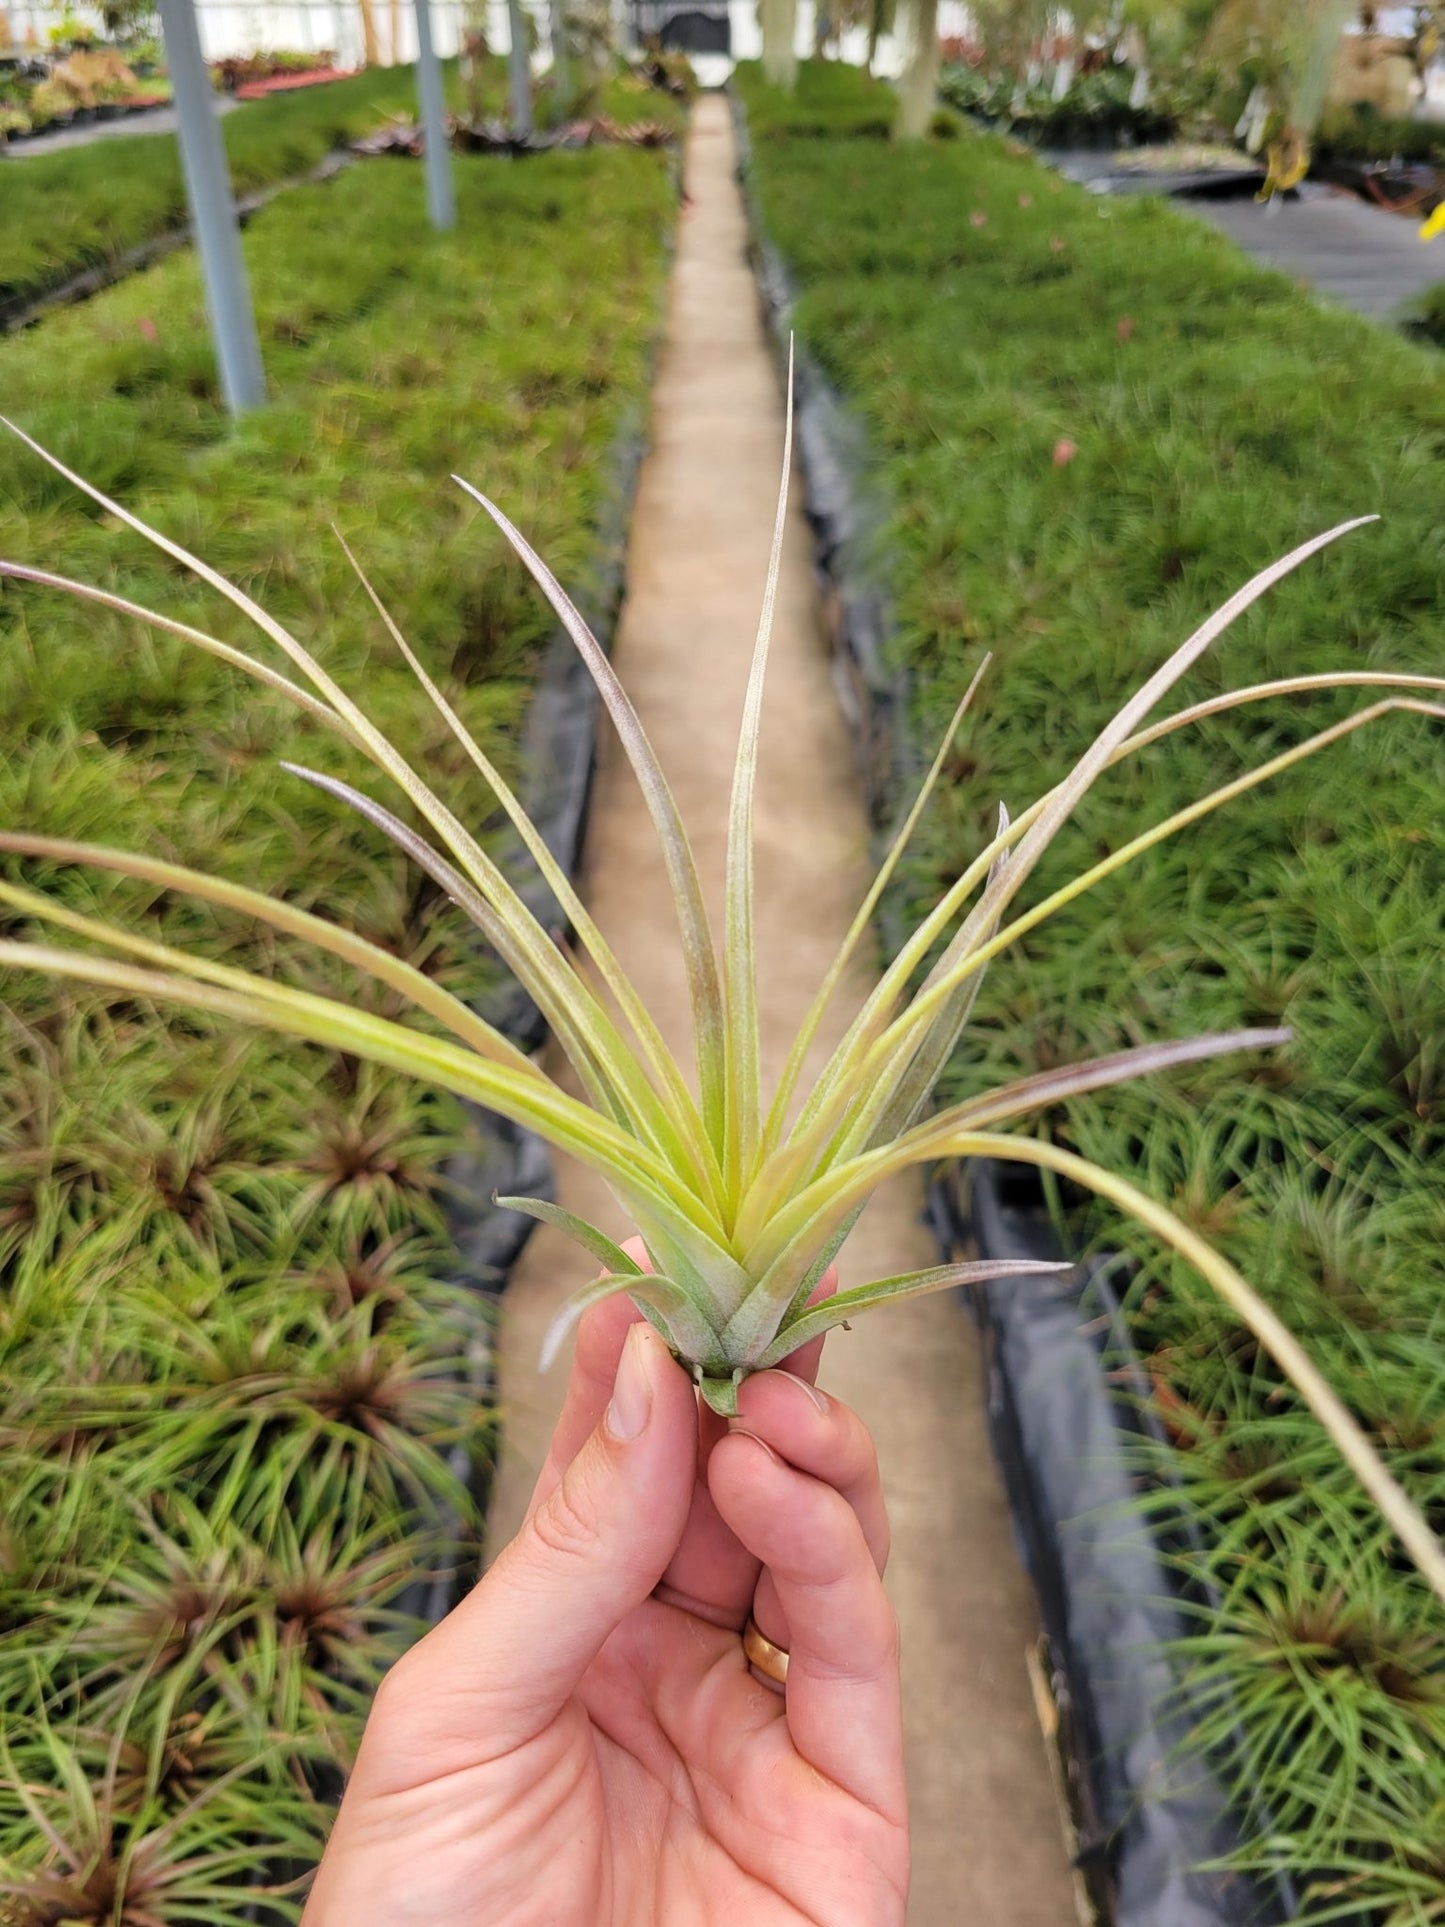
x,y
213,211
519,70
441,200
561,59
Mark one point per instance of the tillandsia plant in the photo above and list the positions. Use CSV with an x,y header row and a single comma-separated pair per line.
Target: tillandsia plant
x,y
742,1199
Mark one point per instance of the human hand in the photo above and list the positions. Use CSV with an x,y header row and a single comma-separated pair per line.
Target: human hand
x,y
583,1741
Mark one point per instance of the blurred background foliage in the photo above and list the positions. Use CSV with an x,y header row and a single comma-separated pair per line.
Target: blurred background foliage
x,y
240,1353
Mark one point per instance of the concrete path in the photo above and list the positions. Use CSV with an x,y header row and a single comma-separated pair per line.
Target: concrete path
x,y
988,1848
1357,255
1361,256
159,120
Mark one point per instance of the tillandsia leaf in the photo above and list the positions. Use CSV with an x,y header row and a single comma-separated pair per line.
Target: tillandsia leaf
x,y
777,1172
929,998
223,651
740,971
844,1305
666,1076
880,1117
1032,835
684,1326
1395,1505
719,1391
1066,797
551,998
1196,712
915,1086
609,1255
779,1297
601,1059
811,1216
1408,1523
1044,1089
646,1187
413,984
539,963
896,1038
1280,686
792,1069
699,957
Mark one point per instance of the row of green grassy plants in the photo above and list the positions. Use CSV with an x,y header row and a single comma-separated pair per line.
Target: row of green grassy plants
x,y
84,207
234,1331
1088,420
830,100
619,92
1424,316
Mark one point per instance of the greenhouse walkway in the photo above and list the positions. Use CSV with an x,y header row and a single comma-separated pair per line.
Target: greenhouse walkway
x,y
1360,256
988,1845
162,120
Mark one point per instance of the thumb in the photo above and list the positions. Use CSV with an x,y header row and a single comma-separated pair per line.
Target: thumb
x,y
500,1667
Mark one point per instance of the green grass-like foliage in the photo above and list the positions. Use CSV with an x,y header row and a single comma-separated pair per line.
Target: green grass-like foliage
x,y
741,1206
1425,318
232,1357
1360,133
1085,419
84,206
832,99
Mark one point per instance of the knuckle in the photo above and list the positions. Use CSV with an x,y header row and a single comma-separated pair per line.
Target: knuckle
x,y
562,1527
856,1450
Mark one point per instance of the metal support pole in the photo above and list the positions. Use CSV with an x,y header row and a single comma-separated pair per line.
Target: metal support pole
x,y
441,200
213,211
519,70
561,58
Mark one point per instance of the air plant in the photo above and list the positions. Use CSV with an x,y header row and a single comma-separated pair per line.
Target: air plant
x,y
742,1199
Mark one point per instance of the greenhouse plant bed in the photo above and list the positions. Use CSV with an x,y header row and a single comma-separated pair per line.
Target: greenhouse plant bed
x,y
928,311
315,1246
1103,1594
85,207
24,313
1151,1820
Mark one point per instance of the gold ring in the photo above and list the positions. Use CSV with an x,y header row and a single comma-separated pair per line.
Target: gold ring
x,y
770,1660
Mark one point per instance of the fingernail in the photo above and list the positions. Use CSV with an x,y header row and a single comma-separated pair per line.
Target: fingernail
x,y
632,1390
820,1399
739,1428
